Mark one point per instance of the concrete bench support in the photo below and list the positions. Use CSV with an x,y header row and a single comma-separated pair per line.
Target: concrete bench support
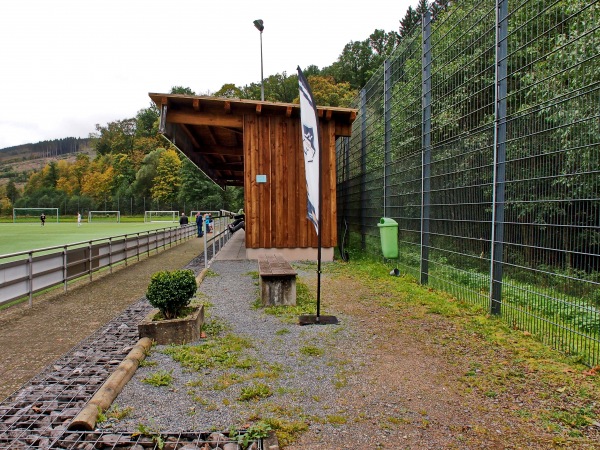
x,y
277,281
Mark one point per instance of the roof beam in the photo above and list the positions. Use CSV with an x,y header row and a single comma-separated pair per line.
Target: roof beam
x,y
195,118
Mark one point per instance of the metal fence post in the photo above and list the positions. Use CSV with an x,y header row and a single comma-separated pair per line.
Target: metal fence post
x,y
387,140
426,145
363,167
497,234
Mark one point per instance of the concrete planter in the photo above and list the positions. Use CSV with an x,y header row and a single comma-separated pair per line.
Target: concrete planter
x,y
174,331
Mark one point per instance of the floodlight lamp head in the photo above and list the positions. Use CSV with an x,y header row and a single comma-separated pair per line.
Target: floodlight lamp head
x,y
259,25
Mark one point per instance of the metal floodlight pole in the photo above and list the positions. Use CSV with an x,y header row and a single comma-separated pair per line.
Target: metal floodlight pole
x,y
260,27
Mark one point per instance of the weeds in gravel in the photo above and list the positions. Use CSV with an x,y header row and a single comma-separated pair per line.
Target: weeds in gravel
x,y
213,328
253,433
224,352
287,431
226,380
118,413
270,371
159,378
151,432
114,412
311,350
255,392
147,363
336,419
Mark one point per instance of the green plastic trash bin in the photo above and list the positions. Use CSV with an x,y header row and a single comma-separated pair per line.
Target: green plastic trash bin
x,y
388,228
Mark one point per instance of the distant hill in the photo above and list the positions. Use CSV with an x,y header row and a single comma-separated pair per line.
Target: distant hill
x,y
18,162
44,149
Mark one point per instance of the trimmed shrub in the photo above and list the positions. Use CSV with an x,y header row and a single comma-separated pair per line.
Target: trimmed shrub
x,y
171,291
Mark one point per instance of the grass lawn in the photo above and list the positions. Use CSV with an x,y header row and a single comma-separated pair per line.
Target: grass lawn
x,y
17,237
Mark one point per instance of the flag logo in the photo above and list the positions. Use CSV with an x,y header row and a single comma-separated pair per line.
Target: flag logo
x,y
310,144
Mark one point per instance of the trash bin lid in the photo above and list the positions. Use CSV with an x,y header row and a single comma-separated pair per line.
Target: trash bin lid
x,y
387,222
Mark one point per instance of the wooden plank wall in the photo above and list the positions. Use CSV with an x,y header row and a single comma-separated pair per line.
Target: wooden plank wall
x,y
276,210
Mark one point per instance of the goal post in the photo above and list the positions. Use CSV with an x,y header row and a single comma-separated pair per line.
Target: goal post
x,y
33,214
161,216
104,216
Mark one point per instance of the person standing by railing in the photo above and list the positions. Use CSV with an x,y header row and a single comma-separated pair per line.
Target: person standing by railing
x,y
199,223
183,221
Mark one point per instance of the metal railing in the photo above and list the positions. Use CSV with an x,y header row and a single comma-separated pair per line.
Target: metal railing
x,y
25,273
481,138
220,235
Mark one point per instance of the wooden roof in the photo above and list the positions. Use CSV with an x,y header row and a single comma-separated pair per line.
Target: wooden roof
x,y
210,132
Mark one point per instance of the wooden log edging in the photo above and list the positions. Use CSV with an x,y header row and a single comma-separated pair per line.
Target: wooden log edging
x,y
103,398
201,276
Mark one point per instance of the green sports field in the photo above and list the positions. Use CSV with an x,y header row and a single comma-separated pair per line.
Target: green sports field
x,y
17,237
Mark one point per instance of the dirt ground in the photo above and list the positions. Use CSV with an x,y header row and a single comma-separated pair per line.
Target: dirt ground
x,y
32,338
429,380
433,382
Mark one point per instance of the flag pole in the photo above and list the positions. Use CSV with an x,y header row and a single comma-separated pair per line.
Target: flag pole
x,y
310,129
318,318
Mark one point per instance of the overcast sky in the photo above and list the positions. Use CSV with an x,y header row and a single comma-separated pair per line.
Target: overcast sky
x,y
66,65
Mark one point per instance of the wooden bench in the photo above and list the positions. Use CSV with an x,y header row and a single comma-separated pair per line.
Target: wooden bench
x,y
277,280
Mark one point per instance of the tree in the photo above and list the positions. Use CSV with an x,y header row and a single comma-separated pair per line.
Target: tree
x,y
408,22
34,182
355,64
51,174
67,182
6,206
99,181
12,193
124,172
327,93
146,122
146,173
116,137
182,90
383,44
195,186
166,182
229,90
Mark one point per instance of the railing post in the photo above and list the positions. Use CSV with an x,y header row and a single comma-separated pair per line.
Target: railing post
x,y
387,140
110,253
90,259
65,268
497,244
30,264
205,250
426,146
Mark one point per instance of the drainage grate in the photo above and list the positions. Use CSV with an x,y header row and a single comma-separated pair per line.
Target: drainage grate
x,y
90,440
42,409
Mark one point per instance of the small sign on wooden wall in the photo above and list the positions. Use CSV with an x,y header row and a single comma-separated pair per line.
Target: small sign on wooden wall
x,y
261,178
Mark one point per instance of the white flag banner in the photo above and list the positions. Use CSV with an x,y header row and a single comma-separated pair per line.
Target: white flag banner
x,y
310,143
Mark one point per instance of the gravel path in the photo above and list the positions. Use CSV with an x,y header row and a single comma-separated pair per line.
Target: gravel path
x,y
299,364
